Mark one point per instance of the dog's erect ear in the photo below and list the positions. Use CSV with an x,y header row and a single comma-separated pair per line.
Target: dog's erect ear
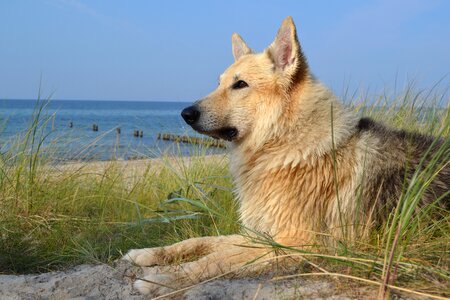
x,y
240,48
285,49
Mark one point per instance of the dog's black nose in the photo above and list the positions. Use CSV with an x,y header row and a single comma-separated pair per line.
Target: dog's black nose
x,y
190,114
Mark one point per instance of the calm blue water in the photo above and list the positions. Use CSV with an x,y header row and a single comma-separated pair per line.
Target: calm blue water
x,y
81,143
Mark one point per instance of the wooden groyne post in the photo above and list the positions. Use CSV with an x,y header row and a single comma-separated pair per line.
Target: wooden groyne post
x,y
138,133
191,140
118,131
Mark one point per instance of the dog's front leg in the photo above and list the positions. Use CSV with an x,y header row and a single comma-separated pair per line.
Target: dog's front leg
x,y
183,251
225,254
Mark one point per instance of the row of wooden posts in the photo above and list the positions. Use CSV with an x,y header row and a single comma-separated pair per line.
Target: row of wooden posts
x,y
172,137
136,133
191,140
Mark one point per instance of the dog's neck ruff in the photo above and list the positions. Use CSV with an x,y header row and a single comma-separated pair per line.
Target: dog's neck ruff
x,y
264,172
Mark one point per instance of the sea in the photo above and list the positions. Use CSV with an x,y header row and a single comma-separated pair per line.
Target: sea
x,y
65,129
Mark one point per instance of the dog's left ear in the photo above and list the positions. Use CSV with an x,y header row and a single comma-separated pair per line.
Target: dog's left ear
x,y
285,50
240,48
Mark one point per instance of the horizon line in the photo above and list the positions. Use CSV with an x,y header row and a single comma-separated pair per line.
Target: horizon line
x,y
67,99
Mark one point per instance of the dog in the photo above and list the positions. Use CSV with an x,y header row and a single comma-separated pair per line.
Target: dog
x,y
303,165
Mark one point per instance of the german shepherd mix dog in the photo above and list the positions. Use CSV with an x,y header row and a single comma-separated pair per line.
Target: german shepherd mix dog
x,y
304,166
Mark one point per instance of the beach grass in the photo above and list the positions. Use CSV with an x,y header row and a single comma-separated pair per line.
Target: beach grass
x,y
55,215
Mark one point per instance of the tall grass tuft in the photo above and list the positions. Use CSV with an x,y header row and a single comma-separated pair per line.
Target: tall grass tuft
x,y
54,215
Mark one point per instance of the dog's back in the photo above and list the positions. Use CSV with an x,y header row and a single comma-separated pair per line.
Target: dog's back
x,y
401,156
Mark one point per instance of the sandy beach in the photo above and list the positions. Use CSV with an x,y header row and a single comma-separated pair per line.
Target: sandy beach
x,y
138,166
115,282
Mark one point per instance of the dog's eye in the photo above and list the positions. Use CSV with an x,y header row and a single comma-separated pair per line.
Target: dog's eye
x,y
240,84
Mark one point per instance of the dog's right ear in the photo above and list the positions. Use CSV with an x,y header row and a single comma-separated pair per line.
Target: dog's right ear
x,y
240,48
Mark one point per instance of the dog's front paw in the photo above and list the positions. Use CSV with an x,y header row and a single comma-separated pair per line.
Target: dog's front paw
x,y
155,284
143,257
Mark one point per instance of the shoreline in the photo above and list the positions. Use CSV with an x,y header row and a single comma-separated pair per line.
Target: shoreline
x,y
139,163
133,170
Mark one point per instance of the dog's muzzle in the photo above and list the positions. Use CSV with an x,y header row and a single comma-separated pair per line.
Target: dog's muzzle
x,y
190,114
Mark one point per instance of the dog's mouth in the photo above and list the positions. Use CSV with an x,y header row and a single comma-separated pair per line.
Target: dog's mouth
x,y
226,133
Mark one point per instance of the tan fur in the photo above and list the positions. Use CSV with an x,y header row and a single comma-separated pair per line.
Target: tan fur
x,y
298,161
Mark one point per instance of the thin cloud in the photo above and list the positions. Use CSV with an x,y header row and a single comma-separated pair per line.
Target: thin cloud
x,y
83,8
77,6
366,23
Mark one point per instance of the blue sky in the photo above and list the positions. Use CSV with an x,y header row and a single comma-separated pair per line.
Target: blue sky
x,y
175,50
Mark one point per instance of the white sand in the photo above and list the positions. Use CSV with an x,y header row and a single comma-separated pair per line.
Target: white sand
x,y
114,282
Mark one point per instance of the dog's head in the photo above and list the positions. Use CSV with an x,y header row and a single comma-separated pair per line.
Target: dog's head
x,y
252,92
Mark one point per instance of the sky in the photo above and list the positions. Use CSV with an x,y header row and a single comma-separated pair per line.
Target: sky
x,y
175,50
